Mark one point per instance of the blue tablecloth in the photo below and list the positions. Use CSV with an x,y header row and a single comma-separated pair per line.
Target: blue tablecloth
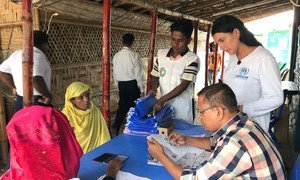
x,y
135,148
295,174
189,129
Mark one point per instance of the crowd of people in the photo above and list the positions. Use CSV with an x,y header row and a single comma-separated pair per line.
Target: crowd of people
x,y
240,144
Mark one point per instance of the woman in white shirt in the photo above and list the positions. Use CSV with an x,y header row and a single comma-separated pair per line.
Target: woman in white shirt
x,y
252,72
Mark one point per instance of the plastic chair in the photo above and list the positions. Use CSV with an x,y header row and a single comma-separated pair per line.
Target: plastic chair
x,y
275,117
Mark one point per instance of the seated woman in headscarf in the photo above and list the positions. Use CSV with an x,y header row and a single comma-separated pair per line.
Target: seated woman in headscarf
x,y
86,119
42,145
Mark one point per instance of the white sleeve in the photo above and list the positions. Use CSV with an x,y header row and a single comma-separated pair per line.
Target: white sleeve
x,y
39,65
272,94
6,65
114,72
138,70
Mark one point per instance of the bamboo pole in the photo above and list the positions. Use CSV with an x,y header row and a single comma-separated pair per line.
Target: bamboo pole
x,y
27,52
36,19
106,62
147,5
244,7
3,136
206,52
222,72
196,27
294,45
216,63
10,24
151,48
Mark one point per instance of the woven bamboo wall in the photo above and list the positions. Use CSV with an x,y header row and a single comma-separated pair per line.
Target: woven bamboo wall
x,y
11,33
75,49
10,12
10,40
83,43
76,52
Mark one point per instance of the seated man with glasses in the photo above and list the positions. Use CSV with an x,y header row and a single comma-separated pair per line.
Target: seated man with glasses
x,y
240,147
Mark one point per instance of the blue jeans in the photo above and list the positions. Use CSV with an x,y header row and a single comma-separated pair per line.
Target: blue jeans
x,y
19,102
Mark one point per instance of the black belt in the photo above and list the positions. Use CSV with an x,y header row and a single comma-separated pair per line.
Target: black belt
x,y
36,99
131,81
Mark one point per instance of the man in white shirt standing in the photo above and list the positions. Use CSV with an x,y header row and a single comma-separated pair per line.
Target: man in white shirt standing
x,y
11,72
128,77
175,71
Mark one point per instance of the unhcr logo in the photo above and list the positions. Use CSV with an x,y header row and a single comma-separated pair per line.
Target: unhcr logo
x,y
243,73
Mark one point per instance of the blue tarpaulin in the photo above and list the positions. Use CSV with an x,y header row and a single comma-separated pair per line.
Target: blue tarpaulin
x,y
141,120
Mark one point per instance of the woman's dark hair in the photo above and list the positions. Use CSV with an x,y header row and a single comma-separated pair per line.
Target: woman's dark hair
x,y
227,23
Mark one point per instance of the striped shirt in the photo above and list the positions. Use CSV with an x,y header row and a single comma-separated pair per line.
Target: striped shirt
x,y
171,71
188,58
241,150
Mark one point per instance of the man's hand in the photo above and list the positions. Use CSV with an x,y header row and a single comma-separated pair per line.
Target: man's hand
x,y
45,100
39,84
241,107
158,105
177,138
9,81
151,91
155,149
14,90
114,166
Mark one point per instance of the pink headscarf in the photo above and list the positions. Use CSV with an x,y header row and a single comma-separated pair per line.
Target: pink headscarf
x,y
42,145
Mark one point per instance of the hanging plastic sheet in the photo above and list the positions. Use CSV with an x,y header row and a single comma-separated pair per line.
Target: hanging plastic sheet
x,y
144,105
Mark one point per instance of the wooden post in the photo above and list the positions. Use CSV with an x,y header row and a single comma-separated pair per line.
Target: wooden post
x,y
36,19
3,136
222,71
106,62
294,38
151,48
196,27
216,63
206,52
27,52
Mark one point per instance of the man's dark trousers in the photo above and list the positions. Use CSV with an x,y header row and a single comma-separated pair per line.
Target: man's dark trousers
x,y
128,93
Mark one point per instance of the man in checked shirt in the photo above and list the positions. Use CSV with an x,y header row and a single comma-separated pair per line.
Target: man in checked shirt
x,y
240,147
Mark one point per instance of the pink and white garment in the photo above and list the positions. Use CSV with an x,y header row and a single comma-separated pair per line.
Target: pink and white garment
x,y
42,145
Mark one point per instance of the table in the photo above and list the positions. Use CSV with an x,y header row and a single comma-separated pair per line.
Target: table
x,y
135,148
295,174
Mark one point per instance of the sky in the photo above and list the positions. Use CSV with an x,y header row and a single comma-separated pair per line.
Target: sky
x,y
276,22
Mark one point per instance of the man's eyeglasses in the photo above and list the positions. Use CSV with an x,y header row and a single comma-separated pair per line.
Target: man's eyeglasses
x,y
199,111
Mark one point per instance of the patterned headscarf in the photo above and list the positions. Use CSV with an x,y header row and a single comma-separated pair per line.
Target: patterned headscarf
x,y
89,126
42,145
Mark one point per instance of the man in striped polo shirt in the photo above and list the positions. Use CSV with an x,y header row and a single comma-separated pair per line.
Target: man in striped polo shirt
x,y
240,147
175,71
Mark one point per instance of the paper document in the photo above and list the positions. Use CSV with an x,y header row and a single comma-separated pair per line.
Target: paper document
x,y
186,156
125,176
